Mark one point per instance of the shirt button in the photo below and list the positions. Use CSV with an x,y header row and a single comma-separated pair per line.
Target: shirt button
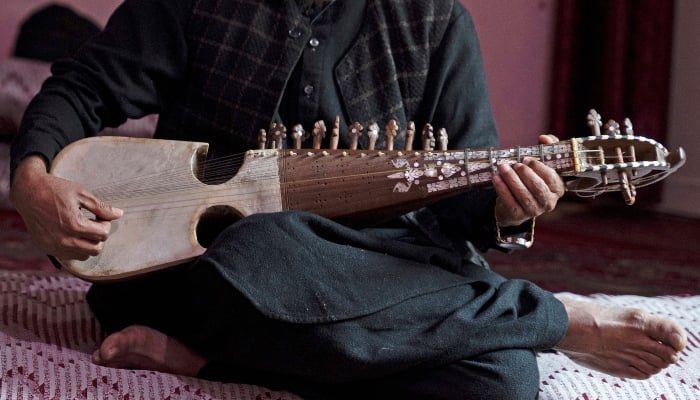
x,y
308,89
295,33
313,42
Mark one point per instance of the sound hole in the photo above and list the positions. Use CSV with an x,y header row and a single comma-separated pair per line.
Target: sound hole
x,y
213,221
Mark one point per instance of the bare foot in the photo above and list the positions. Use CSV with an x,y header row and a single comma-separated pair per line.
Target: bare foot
x,y
141,347
623,342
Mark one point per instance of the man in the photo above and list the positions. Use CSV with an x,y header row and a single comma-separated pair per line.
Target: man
x,y
291,300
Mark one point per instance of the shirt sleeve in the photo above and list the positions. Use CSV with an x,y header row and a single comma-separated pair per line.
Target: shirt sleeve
x,y
123,72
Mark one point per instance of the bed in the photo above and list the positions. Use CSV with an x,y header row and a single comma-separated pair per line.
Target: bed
x,y
47,332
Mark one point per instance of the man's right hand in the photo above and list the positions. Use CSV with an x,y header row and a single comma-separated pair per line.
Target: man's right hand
x,y
52,209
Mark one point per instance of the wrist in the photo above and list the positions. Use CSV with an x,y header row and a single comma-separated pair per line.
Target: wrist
x,y
27,171
520,236
31,165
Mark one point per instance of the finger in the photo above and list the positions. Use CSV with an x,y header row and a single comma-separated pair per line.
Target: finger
x,y
96,230
548,139
78,249
537,197
548,174
101,209
508,209
529,189
518,200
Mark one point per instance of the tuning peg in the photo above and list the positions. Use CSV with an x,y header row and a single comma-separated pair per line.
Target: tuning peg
x,y
628,127
632,155
297,135
372,135
278,133
612,127
319,132
390,131
335,133
262,139
355,131
410,135
442,138
428,138
629,192
595,121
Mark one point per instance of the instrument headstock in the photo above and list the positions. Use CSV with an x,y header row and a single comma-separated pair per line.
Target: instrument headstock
x,y
616,161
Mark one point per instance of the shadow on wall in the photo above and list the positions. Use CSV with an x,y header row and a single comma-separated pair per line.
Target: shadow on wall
x,y
66,29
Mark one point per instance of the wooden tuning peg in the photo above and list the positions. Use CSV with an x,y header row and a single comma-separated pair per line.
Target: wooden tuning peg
x,y
354,132
410,135
319,132
278,133
595,121
262,139
442,138
335,133
372,135
390,131
297,135
628,127
629,192
428,138
612,127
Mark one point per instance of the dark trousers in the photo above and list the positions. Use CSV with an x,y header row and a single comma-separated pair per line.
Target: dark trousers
x,y
293,301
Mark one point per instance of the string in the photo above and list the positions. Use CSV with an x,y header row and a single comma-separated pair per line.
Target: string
x,y
180,189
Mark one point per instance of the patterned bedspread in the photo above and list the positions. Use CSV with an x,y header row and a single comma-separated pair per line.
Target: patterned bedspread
x,y
47,335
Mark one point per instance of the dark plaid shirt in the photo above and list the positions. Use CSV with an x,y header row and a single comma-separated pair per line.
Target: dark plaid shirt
x,y
217,71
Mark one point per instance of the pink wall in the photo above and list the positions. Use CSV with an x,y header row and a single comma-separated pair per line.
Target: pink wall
x,y
682,189
515,40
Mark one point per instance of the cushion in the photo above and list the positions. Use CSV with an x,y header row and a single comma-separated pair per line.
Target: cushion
x,y
20,80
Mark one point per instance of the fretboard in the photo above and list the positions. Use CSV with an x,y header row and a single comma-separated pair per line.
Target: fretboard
x,y
361,184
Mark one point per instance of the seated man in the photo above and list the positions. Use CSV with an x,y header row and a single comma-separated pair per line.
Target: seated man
x,y
292,300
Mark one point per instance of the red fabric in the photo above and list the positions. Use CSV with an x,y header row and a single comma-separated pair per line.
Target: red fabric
x,y
615,57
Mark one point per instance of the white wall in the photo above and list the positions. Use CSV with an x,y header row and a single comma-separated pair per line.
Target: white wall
x,y
682,190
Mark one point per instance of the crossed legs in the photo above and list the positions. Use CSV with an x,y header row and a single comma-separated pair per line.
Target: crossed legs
x,y
618,341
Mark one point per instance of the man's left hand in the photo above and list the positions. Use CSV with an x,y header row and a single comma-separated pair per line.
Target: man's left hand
x,y
527,189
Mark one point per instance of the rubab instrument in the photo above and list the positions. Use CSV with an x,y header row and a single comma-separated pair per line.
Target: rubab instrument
x,y
175,201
